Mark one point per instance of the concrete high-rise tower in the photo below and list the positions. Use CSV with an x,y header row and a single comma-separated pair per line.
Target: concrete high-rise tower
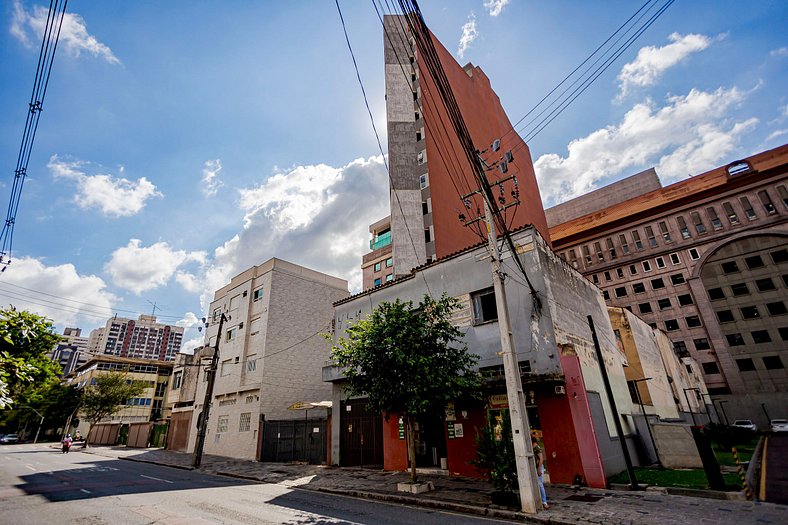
x,y
429,169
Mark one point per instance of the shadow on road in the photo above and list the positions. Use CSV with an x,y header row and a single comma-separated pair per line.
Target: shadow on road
x,y
112,478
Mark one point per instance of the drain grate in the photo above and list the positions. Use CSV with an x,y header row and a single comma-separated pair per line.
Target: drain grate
x,y
589,498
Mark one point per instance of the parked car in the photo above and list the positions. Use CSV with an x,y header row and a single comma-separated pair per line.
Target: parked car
x,y
9,438
779,425
745,423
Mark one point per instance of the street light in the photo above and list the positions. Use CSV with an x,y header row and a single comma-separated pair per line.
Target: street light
x,y
40,423
645,418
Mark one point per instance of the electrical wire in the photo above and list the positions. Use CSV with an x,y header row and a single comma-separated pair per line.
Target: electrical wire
x,y
46,59
377,136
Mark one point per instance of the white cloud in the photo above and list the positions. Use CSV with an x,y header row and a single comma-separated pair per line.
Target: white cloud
x,y
776,134
115,197
495,6
210,184
317,216
138,268
652,61
187,347
469,34
71,299
779,52
689,134
189,320
74,36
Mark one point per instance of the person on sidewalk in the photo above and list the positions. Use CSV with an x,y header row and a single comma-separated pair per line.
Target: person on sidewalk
x,y
539,459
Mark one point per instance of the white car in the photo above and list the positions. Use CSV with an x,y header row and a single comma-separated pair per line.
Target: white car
x,y
779,425
745,423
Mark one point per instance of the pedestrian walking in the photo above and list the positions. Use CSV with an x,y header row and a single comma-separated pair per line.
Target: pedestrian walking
x,y
539,459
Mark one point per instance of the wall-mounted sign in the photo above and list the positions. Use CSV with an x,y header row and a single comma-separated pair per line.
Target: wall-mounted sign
x,y
451,430
499,401
458,432
450,414
401,428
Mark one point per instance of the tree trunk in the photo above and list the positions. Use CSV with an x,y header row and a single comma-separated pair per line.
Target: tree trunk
x,y
411,448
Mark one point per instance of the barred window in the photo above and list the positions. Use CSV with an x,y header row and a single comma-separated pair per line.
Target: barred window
x,y
246,422
221,424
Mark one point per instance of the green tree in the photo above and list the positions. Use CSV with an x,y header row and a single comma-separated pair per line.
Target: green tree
x,y
495,453
26,339
408,361
108,395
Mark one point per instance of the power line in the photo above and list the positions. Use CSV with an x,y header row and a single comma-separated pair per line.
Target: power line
x,y
380,146
46,59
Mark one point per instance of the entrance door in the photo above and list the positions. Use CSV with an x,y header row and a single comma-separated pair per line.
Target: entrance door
x,y
361,435
285,441
430,440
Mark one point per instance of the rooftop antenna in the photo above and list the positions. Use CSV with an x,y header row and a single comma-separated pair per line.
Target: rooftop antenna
x,y
155,306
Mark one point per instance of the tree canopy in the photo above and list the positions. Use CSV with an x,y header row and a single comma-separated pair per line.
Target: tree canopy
x,y
107,396
408,360
26,339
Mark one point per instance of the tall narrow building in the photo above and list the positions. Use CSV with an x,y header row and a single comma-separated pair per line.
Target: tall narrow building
x,y
432,179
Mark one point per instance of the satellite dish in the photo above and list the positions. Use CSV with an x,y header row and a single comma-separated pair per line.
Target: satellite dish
x,y
496,145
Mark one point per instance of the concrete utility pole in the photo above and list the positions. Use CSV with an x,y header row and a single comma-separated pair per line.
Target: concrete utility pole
x,y
206,404
530,500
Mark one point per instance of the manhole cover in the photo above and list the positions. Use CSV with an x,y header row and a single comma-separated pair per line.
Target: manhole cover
x,y
584,497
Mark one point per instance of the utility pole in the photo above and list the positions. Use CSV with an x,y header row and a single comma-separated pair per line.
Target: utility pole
x,y
206,404
530,499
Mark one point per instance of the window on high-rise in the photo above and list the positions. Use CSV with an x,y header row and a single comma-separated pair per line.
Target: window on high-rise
x,y
710,368
745,365
701,344
734,340
772,362
725,316
765,285
683,228
620,273
663,229
729,267
693,321
671,325
675,259
761,337
638,288
621,291
608,277
730,213
748,209
611,250
779,256
698,222
389,262
636,238
664,304
657,284
622,239
644,308
694,254
716,223
754,261
598,249
768,205
646,266
685,299
660,262
652,240
783,194
740,289
776,308
750,312
677,278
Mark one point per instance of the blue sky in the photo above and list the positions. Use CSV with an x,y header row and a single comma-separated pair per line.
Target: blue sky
x,y
182,142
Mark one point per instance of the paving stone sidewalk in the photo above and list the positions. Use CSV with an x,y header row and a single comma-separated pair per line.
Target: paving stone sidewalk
x,y
466,495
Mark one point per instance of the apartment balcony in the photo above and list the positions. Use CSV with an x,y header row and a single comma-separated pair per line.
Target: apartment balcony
x,y
380,241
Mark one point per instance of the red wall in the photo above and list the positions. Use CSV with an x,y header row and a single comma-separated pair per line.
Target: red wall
x,y
574,408
461,451
485,120
395,450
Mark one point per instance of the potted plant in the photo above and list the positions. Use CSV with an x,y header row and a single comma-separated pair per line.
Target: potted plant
x,y
496,461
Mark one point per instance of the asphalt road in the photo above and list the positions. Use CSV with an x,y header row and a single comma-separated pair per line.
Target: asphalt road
x,y
40,485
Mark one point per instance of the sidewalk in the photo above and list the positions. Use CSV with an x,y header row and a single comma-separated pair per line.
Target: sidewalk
x,y
471,496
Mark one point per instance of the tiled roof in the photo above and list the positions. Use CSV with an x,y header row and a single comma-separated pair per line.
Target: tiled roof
x,y
698,185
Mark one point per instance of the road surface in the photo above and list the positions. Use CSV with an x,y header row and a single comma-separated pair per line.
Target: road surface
x,y
40,485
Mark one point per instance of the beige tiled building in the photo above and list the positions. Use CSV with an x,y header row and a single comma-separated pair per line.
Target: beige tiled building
x,y
271,352
705,260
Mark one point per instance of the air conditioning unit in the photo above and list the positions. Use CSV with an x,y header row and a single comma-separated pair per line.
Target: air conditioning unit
x,y
560,390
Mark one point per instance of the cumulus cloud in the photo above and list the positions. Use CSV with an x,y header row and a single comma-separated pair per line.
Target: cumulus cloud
x,y
210,184
71,299
495,6
688,135
469,34
74,37
113,196
317,216
138,268
652,61
779,52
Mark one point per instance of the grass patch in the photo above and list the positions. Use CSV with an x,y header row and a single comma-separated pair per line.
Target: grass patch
x,y
689,478
745,450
